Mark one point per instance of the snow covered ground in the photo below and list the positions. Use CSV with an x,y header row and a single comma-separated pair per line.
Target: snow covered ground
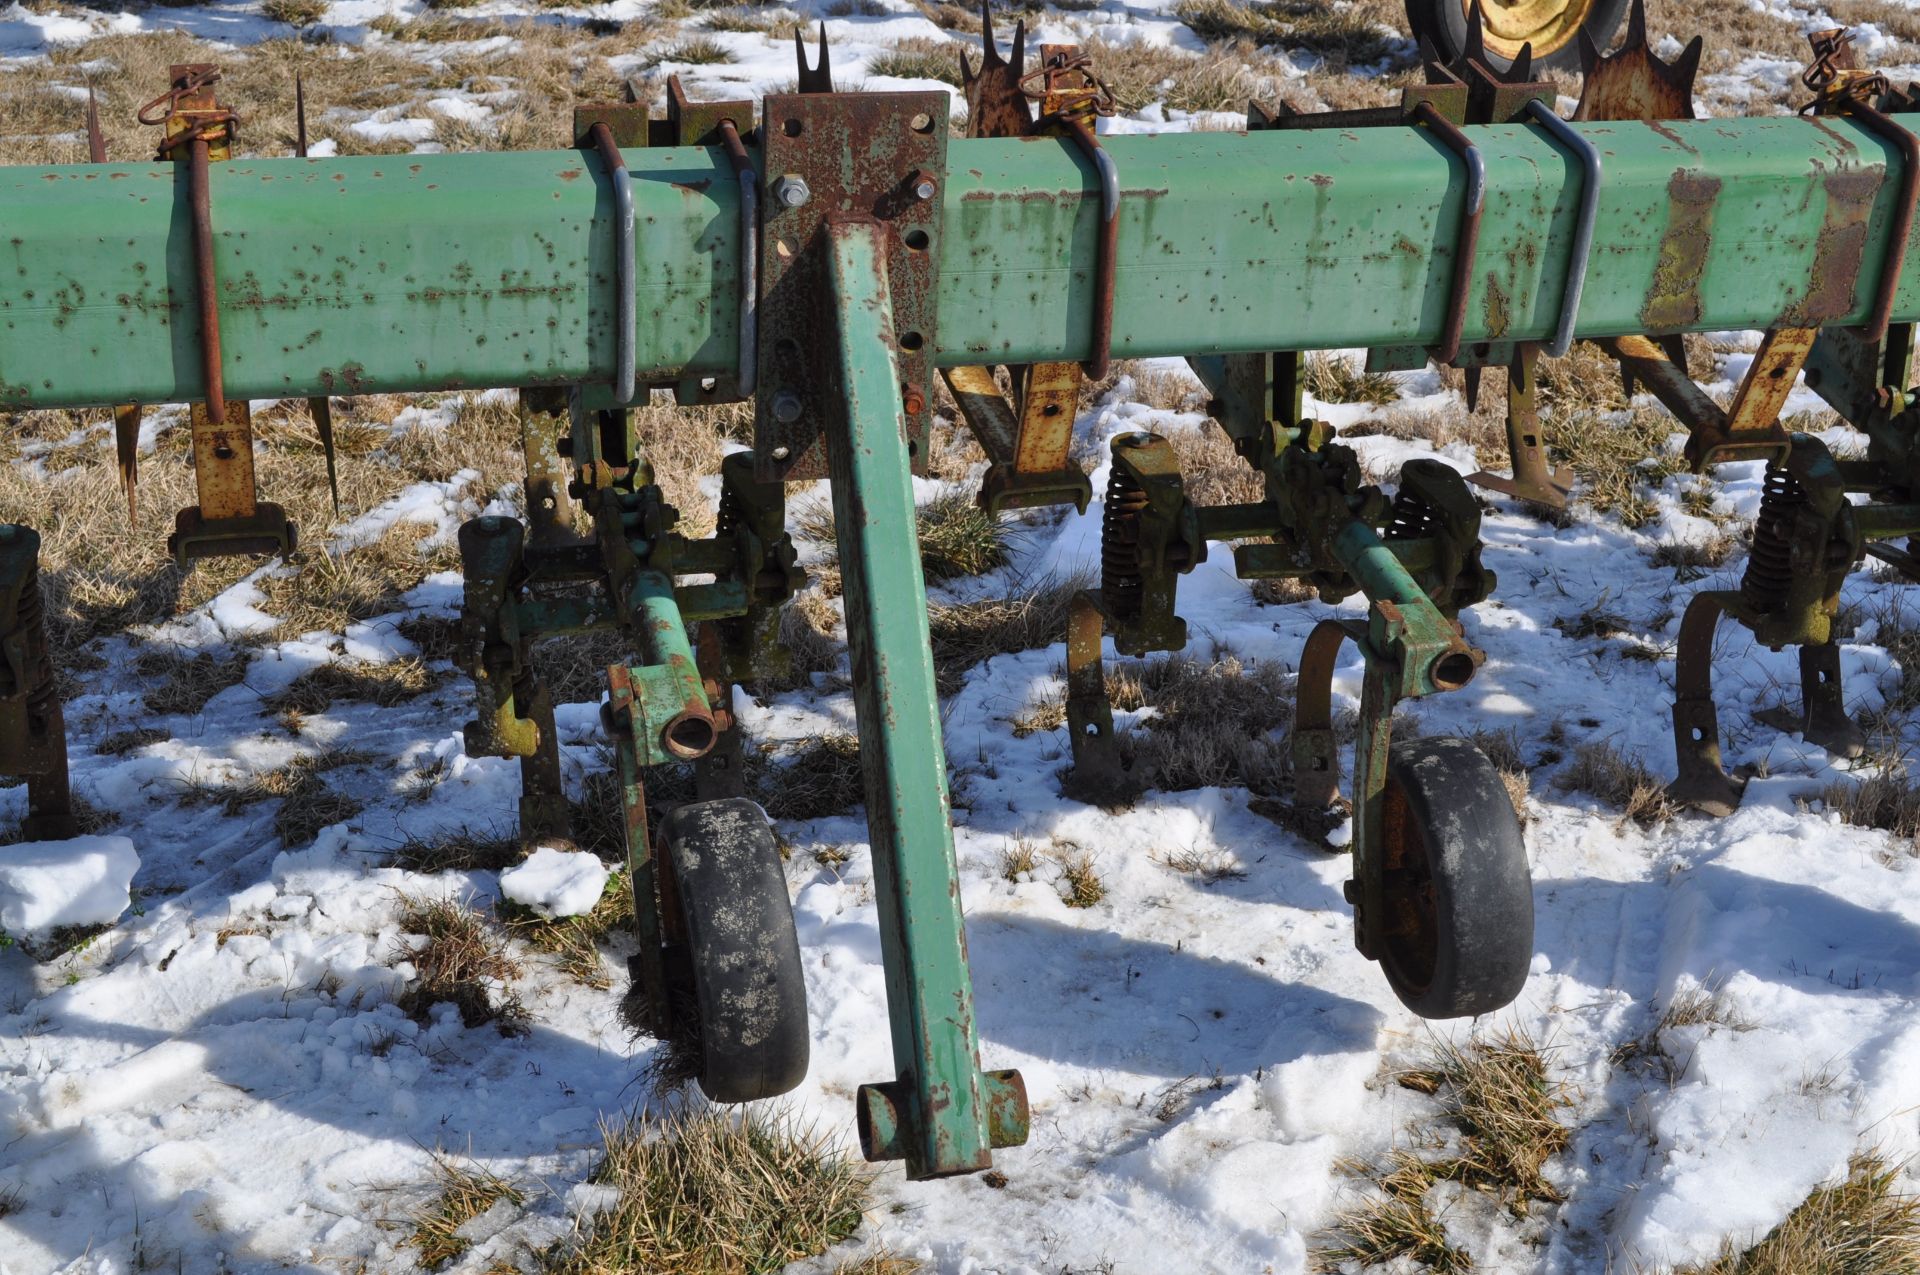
x,y
222,1082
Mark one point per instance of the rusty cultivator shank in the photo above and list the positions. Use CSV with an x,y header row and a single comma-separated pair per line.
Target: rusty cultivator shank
x,y
826,256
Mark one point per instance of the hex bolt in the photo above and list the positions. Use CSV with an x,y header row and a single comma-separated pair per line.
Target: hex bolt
x,y
923,185
787,407
914,402
791,191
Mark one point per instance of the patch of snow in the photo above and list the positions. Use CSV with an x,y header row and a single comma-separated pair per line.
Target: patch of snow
x,y
555,882
81,881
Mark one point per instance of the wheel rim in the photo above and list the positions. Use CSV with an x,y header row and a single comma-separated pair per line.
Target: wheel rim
x,y
1545,24
1411,935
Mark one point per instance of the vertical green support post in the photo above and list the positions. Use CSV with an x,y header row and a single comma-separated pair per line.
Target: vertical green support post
x,y
941,1114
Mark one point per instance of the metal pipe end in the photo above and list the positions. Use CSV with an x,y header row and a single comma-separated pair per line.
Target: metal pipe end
x,y
690,736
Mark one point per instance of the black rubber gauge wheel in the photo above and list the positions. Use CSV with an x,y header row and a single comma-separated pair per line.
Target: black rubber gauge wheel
x,y
741,961
1457,937
1550,26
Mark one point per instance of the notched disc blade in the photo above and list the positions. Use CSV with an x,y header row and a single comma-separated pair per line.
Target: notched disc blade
x,y
996,106
1633,83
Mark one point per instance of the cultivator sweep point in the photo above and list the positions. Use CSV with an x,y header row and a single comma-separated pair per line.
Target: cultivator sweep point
x,y
823,256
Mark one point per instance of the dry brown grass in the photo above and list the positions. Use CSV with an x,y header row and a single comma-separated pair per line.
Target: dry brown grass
x,y
1865,1224
1212,472
1500,1108
1020,860
1498,1094
957,537
1502,748
877,1264
713,1192
966,633
307,802
920,58
1211,725
385,685
102,576
461,850
1334,378
553,66
1080,884
1615,456
466,1192
1603,771
463,962
818,777
189,680
1888,800
574,941
1348,36
1393,1221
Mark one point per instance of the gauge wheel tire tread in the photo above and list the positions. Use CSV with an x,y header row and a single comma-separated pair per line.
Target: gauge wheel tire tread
x,y
743,956
1444,23
1476,957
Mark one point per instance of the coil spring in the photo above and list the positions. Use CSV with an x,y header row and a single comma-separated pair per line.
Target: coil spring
x,y
1411,517
1121,587
1769,575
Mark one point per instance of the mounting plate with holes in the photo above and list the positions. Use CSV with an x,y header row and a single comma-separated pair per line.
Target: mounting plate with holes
x,y
868,156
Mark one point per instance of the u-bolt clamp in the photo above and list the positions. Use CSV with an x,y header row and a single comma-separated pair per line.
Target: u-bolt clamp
x,y
1467,244
749,346
625,311
1590,166
1109,242
1902,140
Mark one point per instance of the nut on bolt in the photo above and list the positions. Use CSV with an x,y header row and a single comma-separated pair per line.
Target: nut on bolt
x,y
791,191
922,185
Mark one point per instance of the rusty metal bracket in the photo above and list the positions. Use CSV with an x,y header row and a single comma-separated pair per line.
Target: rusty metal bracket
x,y
1750,428
1702,783
1316,754
877,156
1532,479
33,734
230,519
1097,774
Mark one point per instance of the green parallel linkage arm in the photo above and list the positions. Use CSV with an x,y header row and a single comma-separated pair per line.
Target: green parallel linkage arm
x,y
941,1114
391,274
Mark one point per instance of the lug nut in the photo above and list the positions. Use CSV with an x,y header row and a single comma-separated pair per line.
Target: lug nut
x,y
787,407
791,191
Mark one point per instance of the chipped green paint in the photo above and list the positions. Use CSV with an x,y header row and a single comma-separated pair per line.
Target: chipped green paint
x,y
1674,302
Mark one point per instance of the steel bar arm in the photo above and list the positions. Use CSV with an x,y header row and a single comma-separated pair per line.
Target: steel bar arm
x,y
941,1114
364,274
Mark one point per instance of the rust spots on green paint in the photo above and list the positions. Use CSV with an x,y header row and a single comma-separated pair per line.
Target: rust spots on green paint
x,y
1673,302
1499,312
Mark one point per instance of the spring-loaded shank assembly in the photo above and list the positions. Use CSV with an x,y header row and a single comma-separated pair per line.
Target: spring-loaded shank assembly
x,y
825,255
